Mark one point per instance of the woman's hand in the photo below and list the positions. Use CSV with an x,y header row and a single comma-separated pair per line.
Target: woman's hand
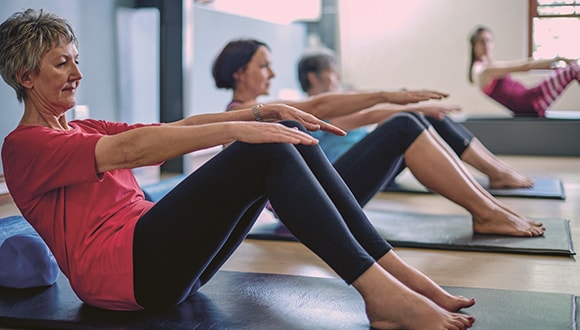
x,y
438,111
560,62
278,112
261,132
406,97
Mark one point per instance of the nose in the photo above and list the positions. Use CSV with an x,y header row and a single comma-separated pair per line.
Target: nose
x,y
76,73
272,74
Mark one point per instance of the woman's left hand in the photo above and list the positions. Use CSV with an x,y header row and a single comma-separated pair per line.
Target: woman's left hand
x,y
279,112
438,111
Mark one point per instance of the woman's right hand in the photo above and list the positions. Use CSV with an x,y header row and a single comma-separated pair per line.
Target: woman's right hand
x,y
438,111
269,132
279,112
407,96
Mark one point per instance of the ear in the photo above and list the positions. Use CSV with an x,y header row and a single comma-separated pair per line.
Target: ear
x,y
238,74
23,77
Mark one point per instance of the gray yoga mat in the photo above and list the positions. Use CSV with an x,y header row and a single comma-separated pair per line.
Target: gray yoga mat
x,y
447,232
235,300
549,188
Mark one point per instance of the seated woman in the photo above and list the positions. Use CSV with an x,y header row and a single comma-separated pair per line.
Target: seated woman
x,y
73,182
318,73
494,78
245,67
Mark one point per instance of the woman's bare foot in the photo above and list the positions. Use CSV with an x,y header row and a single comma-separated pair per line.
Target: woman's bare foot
x,y
418,282
509,179
417,312
499,173
390,304
502,222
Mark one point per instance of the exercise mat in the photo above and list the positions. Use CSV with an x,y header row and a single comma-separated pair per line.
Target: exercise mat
x,y
548,188
447,232
236,300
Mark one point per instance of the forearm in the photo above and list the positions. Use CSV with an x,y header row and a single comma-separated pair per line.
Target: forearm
x,y
152,145
336,104
503,68
373,115
201,119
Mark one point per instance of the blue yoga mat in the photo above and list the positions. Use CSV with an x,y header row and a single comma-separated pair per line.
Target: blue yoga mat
x,y
549,188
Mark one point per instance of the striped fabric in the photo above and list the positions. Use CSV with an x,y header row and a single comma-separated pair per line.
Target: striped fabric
x,y
553,86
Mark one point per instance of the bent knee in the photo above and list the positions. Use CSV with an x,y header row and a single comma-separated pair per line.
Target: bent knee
x,y
293,124
405,122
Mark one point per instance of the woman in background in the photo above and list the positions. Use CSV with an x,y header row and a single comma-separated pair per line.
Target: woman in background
x,y
245,67
494,78
318,73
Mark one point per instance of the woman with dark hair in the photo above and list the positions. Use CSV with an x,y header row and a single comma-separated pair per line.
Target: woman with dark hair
x,y
122,252
378,157
495,80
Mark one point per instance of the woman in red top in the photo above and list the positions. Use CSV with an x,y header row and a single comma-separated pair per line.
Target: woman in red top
x,y
72,181
494,77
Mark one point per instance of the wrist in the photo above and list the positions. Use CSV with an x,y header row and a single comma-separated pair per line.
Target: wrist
x,y
256,111
386,97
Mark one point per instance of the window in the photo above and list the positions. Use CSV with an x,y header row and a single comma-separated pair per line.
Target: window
x,y
554,28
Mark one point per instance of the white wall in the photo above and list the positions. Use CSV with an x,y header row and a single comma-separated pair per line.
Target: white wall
x,y
424,44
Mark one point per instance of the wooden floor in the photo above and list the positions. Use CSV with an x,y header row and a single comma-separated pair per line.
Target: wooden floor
x,y
466,269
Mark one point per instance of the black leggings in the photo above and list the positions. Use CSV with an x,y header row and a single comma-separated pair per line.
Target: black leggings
x,y
378,158
456,135
187,236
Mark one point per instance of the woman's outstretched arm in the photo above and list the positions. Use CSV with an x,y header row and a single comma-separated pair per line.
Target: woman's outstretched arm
x,y
484,73
334,104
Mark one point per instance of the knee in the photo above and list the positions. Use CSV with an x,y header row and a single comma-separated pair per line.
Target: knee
x,y
404,122
293,124
401,130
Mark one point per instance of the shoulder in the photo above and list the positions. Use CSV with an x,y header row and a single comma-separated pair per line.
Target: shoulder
x,y
105,127
235,105
478,67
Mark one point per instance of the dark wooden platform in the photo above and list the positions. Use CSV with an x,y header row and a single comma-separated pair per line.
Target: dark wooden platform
x,y
527,136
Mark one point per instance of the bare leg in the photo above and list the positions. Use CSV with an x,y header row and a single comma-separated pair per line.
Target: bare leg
x,y
468,175
441,171
390,304
499,173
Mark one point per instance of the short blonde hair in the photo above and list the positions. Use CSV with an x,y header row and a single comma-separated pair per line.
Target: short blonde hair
x,y
24,38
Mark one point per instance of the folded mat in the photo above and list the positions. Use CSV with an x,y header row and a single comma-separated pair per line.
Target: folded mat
x,y
447,232
235,300
548,188
25,260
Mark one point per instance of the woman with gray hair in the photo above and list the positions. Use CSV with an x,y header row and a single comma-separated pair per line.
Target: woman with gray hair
x,y
73,182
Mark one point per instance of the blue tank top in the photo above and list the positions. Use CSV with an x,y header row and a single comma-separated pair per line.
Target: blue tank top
x,y
334,146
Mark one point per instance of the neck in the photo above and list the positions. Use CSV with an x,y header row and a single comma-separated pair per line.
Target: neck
x,y
33,117
484,59
244,97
